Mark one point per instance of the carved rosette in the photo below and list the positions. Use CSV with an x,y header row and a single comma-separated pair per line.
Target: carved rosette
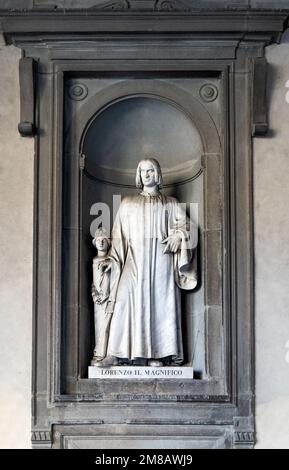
x,y
78,92
209,92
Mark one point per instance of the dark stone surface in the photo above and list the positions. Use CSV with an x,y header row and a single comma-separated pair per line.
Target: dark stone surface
x,y
27,68
276,4
166,5
16,4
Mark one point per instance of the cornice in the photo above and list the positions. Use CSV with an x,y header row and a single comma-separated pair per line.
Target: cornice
x,y
140,5
76,22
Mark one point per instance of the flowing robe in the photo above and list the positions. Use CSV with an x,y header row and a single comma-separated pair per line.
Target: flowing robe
x,y
101,282
146,322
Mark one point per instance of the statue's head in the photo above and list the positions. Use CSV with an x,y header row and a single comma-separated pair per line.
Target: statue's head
x,y
101,241
149,174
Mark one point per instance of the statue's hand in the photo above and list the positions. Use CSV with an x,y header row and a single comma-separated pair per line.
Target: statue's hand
x,y
173,243
93,293
98,297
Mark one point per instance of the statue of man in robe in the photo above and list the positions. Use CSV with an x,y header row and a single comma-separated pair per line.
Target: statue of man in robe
x,y
153,244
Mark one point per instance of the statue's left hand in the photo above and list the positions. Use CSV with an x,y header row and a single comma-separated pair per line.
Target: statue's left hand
x,y
173,243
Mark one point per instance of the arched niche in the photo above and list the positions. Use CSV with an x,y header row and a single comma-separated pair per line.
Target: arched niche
x,y
138,126
123,89
116,128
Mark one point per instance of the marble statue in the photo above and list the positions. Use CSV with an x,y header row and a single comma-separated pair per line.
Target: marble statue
x,y
100,291
152,248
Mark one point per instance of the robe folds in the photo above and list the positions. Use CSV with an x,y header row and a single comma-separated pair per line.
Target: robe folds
x,y
101,282
146,322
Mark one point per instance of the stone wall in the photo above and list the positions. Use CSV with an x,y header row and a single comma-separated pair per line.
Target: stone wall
x,y
271,166
16,216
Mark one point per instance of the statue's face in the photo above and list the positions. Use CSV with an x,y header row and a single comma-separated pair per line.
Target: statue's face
x,y
148,174
101,243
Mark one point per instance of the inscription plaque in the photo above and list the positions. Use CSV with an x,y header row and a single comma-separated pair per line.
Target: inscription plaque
x,y
132,372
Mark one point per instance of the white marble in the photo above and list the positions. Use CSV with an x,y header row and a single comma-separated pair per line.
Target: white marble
x,y
152,248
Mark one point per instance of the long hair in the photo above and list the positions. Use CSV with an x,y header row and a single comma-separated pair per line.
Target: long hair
x,y
158,171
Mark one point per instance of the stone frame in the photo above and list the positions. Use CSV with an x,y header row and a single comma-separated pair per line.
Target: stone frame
x,y
205,418
211,165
